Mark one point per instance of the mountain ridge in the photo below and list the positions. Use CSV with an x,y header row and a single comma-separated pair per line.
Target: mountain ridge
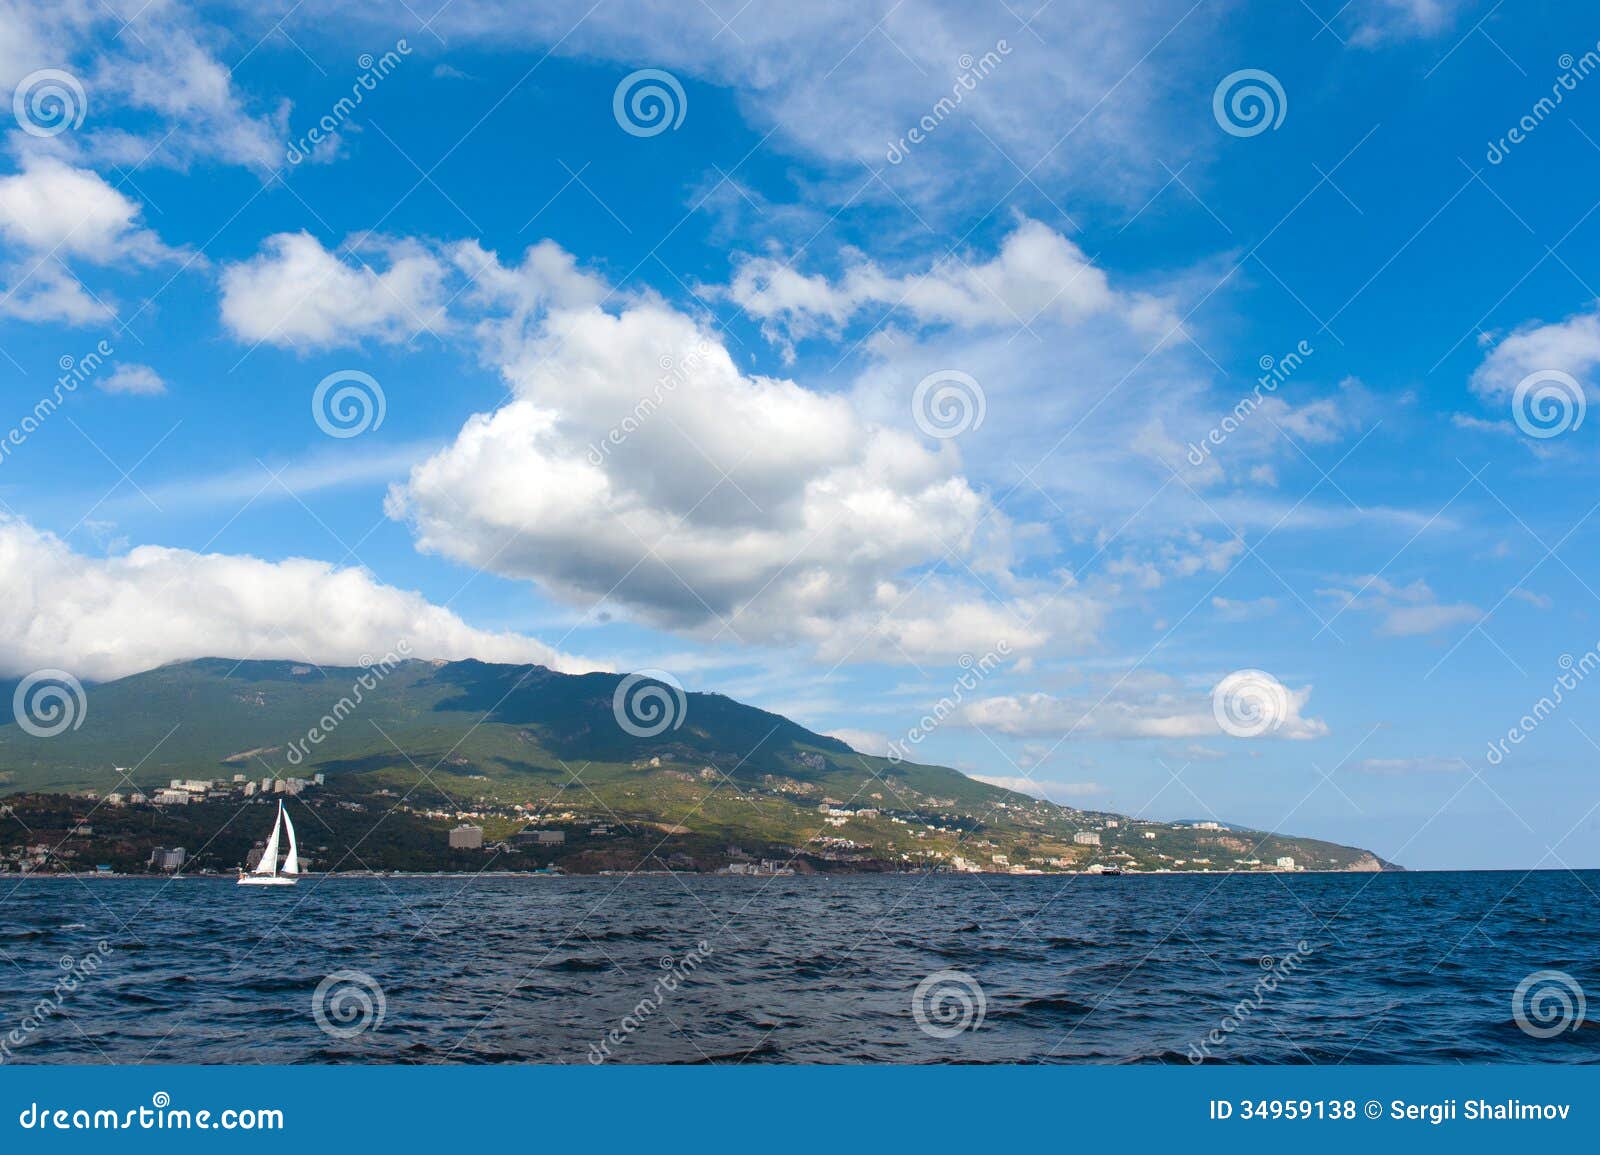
x,y
527,739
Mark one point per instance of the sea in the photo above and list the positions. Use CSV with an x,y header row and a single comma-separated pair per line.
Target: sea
x,y
1268,968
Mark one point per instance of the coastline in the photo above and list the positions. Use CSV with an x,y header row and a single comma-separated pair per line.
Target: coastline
x,y
359,875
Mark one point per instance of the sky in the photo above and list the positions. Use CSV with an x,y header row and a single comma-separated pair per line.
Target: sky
x,y
1167,408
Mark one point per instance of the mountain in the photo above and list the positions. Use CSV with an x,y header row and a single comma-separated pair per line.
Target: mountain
x,y
434,741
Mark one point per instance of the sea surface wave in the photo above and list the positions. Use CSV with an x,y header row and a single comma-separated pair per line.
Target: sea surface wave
x,y
1400,967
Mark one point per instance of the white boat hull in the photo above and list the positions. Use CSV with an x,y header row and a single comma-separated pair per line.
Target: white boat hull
x,y
264,880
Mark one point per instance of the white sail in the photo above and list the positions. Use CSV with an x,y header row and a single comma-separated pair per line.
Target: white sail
x,y
291,861
269,856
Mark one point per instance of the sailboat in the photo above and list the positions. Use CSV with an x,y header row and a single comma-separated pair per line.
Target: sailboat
x,y
267,872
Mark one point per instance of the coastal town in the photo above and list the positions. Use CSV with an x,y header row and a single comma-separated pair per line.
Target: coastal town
x,y
187,827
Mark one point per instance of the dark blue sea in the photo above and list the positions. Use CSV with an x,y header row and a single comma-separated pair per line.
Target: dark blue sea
x,y
1410,968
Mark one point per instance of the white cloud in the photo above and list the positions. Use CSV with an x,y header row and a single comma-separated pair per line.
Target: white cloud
x,y
45,291
34,36
863,741
1037,274
1137,706
139,380
638,464
347,466
1050,791
52,212
1571,346
1383,21
151,58
1243,610
840,81
105,618
296,293
162,68
1406,611
52,207
1427,765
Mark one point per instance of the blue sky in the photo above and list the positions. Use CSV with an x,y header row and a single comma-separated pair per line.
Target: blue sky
x,y
1091,239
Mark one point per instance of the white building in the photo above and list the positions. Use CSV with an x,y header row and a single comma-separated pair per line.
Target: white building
x,y
1087,838
163,859
1286,863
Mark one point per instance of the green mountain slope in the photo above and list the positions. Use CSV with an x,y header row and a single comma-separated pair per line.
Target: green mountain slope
x,y
448,738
